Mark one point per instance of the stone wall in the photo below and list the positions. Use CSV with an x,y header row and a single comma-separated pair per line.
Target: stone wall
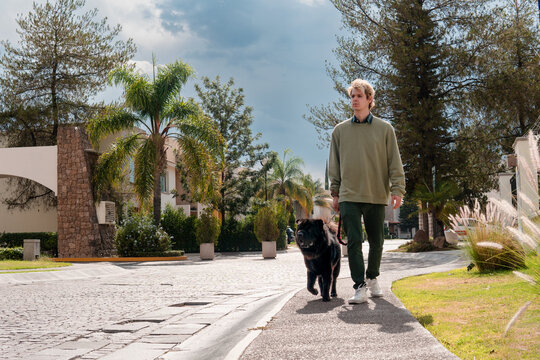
x,y
79,233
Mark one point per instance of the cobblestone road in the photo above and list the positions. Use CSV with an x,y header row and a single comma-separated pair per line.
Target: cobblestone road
x,y
45,314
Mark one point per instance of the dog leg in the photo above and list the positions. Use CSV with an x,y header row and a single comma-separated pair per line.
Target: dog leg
x,y
324,285
311,277
335,274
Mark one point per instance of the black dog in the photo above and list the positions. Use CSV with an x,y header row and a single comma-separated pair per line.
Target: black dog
x,y
322,255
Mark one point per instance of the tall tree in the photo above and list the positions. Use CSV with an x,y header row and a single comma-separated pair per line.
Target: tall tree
x,y
416,53
505,103
61,61
156,106
225,105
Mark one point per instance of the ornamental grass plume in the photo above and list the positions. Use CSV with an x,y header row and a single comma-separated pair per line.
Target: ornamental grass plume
x,y
492,247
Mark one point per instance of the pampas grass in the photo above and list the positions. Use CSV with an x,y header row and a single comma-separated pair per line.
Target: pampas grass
x,y
493,248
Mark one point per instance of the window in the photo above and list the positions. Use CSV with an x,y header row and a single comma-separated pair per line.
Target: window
x,y
163,182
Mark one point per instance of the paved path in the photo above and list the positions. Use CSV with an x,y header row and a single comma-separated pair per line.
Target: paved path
x,y
307,328
167,310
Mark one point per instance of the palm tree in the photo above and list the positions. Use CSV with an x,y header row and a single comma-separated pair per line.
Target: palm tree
x,y
316,191
156,106
440,202
285,181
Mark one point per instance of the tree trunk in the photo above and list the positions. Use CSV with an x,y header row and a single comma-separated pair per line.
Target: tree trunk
x,y
160,167
157,196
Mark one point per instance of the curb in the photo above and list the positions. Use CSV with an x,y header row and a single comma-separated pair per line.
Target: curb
x,y
120,259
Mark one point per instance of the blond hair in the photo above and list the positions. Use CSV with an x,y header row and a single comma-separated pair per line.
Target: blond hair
x,y
366,87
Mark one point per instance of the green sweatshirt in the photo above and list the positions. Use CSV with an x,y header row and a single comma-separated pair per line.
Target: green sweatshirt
x,y
365,164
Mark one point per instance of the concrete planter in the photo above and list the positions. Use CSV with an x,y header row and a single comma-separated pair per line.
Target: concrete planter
x,y
269,249
207,251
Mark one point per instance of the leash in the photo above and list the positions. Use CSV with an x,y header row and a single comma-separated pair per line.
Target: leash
x,y
339,232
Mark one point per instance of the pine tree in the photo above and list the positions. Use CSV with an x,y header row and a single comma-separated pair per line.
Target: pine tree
x,y
416,54
61,62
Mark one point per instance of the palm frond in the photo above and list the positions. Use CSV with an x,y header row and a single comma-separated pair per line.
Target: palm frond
x,y
111,164
111,121
138,90
178,109
145,163
169,82
200,128
200,168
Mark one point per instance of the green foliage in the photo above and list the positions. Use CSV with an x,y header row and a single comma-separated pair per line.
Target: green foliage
x,y
48,244
282,217
14,253
49,77
225,106
238,236
265,225
440,202
138,235
181,228
207,228
492,248
408,214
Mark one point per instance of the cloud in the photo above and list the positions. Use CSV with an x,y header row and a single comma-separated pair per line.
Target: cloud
x,y
312,2
146,23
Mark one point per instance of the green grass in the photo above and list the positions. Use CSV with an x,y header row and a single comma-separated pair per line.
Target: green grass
x,y
468,312
43,263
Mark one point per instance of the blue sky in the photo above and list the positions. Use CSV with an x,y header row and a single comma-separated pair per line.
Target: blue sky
x,y
274,49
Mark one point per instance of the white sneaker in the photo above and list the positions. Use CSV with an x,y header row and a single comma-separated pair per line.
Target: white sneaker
x,y
374,288
360,296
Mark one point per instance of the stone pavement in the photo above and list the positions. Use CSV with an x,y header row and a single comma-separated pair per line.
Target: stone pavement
x,y
166,310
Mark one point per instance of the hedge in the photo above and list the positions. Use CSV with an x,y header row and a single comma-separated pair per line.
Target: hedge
x,y
15,253
48,244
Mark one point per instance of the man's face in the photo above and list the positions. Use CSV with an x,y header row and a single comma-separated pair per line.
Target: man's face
x,y
359,101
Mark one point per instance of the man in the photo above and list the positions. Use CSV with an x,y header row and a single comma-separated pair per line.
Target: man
x,y
364,168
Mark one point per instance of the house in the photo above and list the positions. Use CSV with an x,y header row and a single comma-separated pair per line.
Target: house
x,y
42,218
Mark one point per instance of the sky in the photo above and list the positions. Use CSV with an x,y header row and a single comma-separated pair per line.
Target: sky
x,y
274,49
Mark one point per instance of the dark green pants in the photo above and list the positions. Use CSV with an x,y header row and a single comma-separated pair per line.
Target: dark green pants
x,y
351,217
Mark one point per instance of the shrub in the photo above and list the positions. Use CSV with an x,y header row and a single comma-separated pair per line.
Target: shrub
x,y
238,236
207,228
181,229
265,225
49,240
15,253
492,248
138,235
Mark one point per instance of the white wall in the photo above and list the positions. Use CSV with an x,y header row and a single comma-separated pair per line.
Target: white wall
x,y
36,219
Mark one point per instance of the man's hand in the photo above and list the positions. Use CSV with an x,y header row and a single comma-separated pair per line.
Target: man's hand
x,y
396,201
335,203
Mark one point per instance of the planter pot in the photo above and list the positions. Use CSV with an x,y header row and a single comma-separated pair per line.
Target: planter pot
x,y
344,250
207,251
269,249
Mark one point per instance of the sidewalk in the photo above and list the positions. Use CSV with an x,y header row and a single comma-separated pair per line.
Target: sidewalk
x,y
307,328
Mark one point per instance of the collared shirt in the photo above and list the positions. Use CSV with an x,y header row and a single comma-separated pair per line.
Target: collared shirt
x,y
368,120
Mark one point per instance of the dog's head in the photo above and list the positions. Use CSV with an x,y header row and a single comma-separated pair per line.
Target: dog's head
x,y
311,234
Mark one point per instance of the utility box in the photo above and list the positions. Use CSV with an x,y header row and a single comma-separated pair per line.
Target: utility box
x,y
105,212
31,249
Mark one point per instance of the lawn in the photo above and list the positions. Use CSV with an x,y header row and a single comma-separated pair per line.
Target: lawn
x,y
43,263
468,312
